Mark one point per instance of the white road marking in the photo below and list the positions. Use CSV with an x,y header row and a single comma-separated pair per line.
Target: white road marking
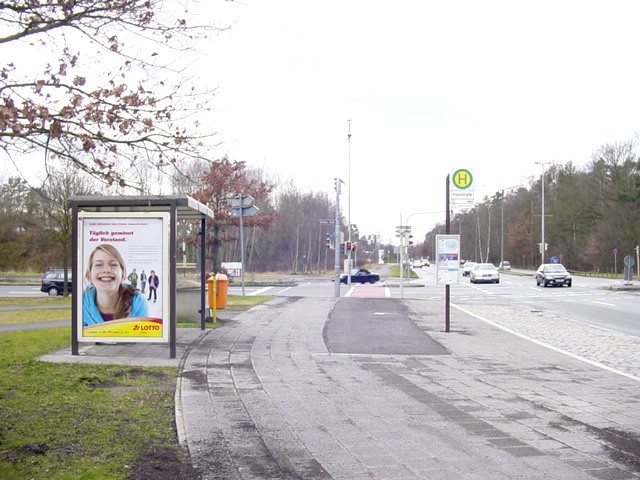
x,y
603,303
261,291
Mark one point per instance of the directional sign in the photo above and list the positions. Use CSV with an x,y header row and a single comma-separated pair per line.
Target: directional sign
x,y
241,201
245,212
401,230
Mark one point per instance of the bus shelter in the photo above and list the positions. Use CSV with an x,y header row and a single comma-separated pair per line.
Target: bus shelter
x,y
125,257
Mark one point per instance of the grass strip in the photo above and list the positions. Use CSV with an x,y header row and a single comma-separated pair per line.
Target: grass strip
x,y
43,302
83,421
63,421
240,303
14,317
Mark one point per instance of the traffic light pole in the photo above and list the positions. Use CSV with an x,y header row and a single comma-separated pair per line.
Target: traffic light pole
x,y
336,268
403,232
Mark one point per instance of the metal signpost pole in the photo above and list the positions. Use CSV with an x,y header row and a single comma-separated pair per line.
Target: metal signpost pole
x,y
242,249
401,234
241,206
401,265
447,287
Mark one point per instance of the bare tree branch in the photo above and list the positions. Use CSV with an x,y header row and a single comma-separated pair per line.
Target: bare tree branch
x,y
96,117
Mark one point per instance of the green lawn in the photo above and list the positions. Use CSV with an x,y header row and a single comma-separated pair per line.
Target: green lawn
x,y
84,421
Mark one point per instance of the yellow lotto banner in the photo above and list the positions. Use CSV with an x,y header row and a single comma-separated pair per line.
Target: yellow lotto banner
x,y
127,327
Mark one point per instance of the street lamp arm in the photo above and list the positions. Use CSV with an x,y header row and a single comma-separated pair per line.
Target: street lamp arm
x,y
422,213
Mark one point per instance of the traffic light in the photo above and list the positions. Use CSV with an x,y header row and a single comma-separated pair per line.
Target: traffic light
x,y
410,242
354,245
342,247
336,185
328,240
349,246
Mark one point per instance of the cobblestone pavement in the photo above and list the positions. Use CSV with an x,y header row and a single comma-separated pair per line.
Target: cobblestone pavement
x,y
605,348
269,395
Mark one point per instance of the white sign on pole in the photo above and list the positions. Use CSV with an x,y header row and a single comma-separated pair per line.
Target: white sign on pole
x,y
461,191
447,259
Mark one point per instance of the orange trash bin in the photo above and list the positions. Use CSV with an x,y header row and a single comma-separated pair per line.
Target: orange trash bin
x,y
221,290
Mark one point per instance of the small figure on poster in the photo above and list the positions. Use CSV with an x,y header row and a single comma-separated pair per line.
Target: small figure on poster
x,y
154,282
133,278
143,281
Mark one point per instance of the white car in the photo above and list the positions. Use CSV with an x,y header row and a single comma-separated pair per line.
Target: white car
x,y
467,267
484,272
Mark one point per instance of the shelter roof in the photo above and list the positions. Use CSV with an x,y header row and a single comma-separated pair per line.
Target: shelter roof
x,y
186,207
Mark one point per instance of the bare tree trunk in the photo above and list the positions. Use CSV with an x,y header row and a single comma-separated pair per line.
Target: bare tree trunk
x,y
478,236
297,251
488,232
319,250
251,247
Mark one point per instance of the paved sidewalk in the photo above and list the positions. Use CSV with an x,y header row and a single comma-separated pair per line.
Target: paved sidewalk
x,y
309,388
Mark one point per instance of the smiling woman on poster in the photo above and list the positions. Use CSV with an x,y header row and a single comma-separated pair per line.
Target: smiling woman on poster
x,y
107,298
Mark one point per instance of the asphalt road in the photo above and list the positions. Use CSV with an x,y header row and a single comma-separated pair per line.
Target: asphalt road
x,y
588,300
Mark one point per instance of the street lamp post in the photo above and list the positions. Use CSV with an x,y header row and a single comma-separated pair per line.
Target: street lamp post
x,y
542,245
349,202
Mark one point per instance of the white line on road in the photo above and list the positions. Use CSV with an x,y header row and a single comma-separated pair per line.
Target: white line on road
x,y
260,291
603,303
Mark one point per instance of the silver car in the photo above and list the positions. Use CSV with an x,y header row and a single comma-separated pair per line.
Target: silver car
x,y
484,272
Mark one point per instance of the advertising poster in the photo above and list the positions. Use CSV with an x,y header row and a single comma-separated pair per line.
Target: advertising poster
x,y
447,259
123,268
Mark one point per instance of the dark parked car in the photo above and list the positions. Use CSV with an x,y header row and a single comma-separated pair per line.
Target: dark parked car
x,y
553,274
53,282
467,267
361,275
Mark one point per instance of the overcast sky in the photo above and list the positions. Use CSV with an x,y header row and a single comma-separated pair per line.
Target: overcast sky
x,y
429,87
